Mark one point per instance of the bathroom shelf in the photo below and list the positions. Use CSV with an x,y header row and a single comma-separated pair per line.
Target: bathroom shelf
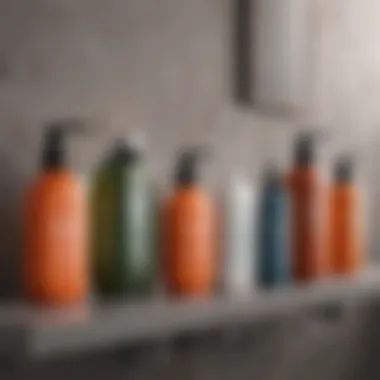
x,y
30,333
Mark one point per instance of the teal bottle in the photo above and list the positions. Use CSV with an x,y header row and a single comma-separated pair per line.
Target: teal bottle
x,y
273,247
124,221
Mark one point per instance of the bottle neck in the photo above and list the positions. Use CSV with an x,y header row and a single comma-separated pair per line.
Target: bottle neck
x,y
186,176
53,160
304,167
186,186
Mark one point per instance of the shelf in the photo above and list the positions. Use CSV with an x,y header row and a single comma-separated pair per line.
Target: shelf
x,y
26,332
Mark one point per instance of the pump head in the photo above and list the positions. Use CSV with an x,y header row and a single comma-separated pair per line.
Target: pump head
x,y
132,145
305,147
344,168
54,148
187,170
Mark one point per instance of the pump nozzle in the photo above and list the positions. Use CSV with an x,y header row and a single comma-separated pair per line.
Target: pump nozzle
x,y
54,149
132,145
187,171
305,152
344,168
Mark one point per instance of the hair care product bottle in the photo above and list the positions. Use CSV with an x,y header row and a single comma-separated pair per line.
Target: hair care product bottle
x,y
239,221
345,223
273,260
190,263
308,212
124,213
55,245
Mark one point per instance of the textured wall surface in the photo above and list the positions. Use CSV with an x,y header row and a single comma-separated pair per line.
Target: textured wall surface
x,y
165,66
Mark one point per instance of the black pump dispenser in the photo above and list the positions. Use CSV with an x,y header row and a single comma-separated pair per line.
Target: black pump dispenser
x,y
344,170
305,148
131,147
54,153
187,171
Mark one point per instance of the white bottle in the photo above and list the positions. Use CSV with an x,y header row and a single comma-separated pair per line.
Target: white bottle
x,y
239,231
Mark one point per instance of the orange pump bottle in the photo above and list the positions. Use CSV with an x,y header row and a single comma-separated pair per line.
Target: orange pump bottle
x,y
55,228
189,250
346,235
308,212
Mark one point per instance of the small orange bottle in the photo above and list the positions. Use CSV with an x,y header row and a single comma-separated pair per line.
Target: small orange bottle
x,y
190,261
55,228
308,210
345,224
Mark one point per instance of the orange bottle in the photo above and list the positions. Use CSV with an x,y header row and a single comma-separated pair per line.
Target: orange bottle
x,y
55,235
308,212
190,261
345,235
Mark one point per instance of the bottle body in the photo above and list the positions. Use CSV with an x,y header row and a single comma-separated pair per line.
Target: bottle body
x,y
308,224
345,236
123,227
239,220
189,242
55,245
273,237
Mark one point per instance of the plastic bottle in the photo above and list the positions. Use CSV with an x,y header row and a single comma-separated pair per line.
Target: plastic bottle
x,y
189,249
124,213
346,224
55,245
308,206
273,259
239,220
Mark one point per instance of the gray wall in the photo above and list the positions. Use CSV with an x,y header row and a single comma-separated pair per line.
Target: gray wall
x,y
165,66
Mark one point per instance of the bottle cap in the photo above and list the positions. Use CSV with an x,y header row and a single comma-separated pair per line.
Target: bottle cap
x,y
344,169
187,170
305,147
54,153
132,145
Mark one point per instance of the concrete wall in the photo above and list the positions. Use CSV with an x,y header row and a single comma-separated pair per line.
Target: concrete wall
x,y
165,66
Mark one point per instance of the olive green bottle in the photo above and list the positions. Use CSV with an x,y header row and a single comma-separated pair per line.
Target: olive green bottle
x,y
124,221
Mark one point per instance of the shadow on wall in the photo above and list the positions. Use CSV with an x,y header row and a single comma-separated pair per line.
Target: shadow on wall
x,y
11,184
242,45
